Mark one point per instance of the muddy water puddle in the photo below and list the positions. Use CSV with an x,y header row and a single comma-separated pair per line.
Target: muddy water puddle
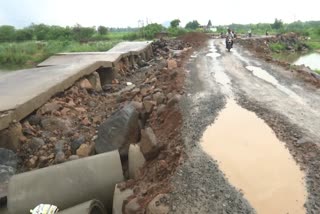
x,y
255,161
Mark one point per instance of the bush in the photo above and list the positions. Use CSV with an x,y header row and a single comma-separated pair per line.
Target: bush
x,y
277,47
150,30
82,34
7,33
176,31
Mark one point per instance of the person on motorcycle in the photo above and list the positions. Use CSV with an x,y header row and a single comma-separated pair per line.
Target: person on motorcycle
x,y
231,36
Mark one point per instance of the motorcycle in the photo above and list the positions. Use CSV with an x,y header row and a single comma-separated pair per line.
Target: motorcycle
x,y
229,43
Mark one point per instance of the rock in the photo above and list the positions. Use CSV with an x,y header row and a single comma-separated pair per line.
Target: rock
x,y
77,143
170,95
73,157
161,108
159,98
158,205
149,145
92,104
137,105
60,157
34,119
135,160
133,207
85,84
59,145
64,111
172,64
9,138
118,198
49,108
174,100
36,143
95,82
8,158
119,131
6,172
148,105
85,122
32,162
85,150
80,109
53,123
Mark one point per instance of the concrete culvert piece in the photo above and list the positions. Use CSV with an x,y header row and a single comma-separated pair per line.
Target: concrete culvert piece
x,y
89,207
68,184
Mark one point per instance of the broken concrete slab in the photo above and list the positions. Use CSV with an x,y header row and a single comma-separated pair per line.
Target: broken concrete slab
x,y
80,58
38,87
135,160
118,198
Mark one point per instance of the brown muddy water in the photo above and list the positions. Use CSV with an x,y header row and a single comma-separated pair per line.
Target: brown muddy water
x,y
255,161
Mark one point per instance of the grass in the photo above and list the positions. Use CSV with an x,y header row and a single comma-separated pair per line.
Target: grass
x,y
313,44
317,71
277,47
27,54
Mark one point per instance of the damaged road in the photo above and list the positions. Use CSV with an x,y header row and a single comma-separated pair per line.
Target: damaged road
x,y
278,98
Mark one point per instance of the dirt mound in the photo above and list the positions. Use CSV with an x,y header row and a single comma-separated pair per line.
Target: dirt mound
x,y
194,37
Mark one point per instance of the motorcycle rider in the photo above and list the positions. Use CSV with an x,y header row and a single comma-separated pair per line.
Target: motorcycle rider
x,y
229,35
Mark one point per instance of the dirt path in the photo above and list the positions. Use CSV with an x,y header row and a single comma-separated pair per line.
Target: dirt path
x,y
289,106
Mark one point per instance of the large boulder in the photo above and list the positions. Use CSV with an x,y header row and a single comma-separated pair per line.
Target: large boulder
x,y
8,165
149,145
94,79
135,159
119,131
9,138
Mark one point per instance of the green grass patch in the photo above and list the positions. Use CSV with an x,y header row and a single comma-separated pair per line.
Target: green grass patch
x,y
317,71
313,44
277,47
28,54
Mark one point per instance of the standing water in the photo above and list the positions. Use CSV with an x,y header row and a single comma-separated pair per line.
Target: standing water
x,y
255,161
311,60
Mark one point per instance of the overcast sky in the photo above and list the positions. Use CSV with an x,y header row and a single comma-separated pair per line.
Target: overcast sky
x,y
123,13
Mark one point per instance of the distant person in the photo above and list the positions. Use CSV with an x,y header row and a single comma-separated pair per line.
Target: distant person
x,y
267,33
249,33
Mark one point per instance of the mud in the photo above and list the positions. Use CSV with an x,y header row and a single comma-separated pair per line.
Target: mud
x,y
255,161
199,185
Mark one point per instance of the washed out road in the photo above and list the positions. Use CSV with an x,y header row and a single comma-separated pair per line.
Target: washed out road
x,y
251,131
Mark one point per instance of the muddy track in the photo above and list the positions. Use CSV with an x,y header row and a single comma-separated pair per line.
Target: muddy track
x,y
286,103
200,186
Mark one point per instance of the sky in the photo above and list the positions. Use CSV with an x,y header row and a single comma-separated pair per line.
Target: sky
x,y
124,13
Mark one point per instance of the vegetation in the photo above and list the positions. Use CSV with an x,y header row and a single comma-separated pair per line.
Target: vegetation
x,y
30,45
192,25
318,71
27,54
277,47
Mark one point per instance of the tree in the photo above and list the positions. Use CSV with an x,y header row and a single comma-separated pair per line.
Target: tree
x,y
209,25
82,34
7,33
175,23
150,30
192,25
102,30
23,34
278,24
